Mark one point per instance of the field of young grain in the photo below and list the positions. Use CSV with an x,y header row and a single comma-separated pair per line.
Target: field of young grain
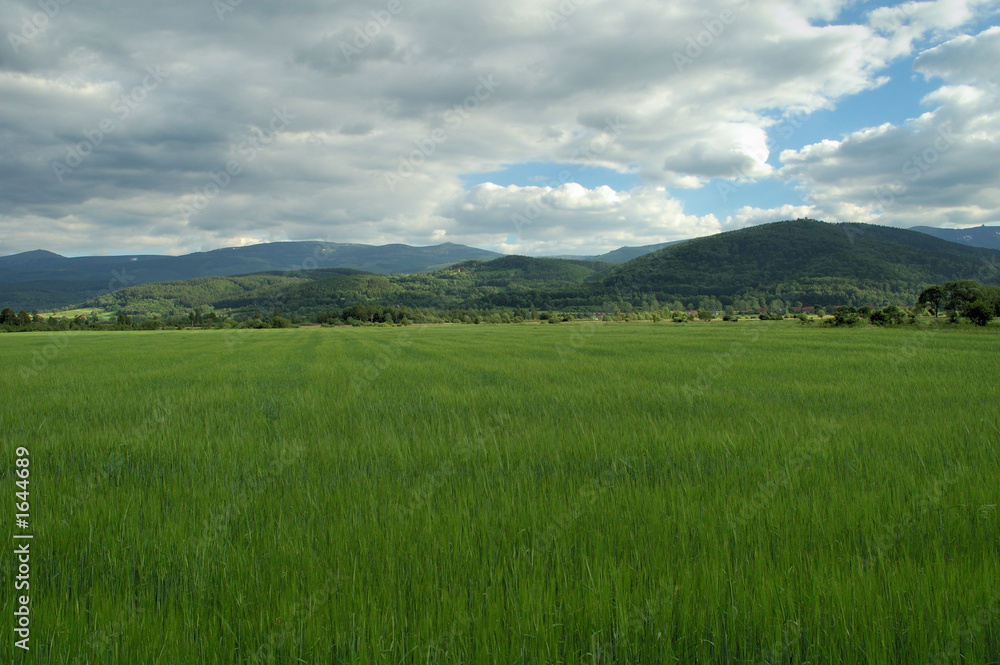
x,y
592,493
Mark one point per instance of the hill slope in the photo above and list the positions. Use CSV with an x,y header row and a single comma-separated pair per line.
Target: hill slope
x,y
507,282
807,260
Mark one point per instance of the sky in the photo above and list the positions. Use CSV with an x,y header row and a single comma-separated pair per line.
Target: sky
x,y
537,127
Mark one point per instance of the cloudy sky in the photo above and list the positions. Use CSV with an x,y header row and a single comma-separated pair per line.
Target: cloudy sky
x,y
526,126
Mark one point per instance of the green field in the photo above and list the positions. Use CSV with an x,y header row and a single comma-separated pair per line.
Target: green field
x,y
590,493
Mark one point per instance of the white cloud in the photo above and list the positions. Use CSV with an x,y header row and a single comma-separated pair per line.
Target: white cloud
x,y
603,87
940,169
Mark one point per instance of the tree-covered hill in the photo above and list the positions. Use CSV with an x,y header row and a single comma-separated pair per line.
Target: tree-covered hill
x,y
801,262
804,260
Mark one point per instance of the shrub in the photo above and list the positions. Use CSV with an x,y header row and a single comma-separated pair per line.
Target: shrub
x,y
979,312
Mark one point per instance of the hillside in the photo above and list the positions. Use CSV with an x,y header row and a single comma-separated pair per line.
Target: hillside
x,y
507,282
802,261
805,260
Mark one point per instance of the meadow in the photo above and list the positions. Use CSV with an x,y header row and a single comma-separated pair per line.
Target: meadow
x,y
756,492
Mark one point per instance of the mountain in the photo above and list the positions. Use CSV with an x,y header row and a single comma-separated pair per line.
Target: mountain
x,y
625,254
976,236
805,260
43,280
801,260
620,255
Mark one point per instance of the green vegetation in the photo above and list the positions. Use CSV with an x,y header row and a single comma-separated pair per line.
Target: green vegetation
x,y
46,280
804,260
977,302
647,493
773,268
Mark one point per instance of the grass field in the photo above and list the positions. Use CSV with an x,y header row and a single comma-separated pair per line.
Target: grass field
x,y
592,493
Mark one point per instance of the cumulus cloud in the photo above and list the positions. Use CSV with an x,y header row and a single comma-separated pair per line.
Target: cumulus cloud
x,y
941,168
141,127
532,220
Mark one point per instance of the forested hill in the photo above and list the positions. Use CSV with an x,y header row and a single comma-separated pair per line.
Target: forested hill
x,y
799,262
805,260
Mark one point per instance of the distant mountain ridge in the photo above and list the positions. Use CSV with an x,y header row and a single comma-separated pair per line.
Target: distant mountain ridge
x,y
814,262
976,236
620,255
804,260
42,280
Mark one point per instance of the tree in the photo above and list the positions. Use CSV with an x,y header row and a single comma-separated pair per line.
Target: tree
x,y
932,296
8,317
979,312
959,294
878,318
704,315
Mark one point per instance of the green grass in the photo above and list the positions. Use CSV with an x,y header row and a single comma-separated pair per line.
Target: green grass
x,y
596,493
